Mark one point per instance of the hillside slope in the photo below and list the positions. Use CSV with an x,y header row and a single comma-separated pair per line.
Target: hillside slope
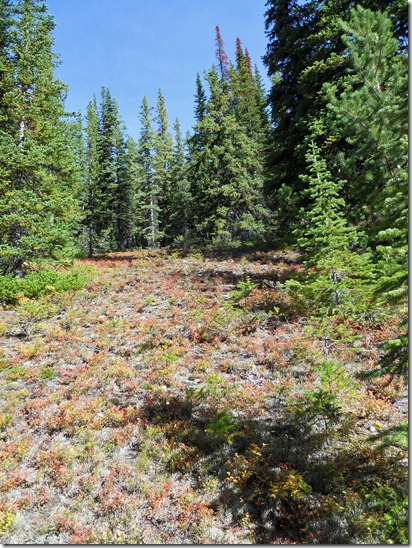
x,y
181,400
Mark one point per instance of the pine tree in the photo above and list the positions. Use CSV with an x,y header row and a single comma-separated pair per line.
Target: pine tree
x,y
38,211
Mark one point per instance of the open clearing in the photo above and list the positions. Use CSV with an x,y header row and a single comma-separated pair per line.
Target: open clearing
x,y
163,404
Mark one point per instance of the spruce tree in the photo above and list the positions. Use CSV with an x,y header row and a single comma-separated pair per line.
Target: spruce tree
x,y
180,196
222,58
249,98
369,109
108,187
113,178
200,99
149,187
226,180
92,197
162,162
367,113
339,275
38,210
305,50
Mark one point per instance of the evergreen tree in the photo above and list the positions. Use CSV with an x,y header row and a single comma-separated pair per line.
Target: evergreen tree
x,y
38,211
113,178
137,198
180,195
149,187
370,111
338,278
92,197
368,115
76,139
108,187
249,104
222,59
249,98
305,51
200,99
226,182
162,163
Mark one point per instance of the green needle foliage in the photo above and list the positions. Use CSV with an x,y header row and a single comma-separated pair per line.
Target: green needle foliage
x,y
163,160
337,279
149,184
38,210
369,109
226,164
306,50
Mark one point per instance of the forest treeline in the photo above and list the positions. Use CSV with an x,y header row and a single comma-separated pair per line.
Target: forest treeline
x,y
318,161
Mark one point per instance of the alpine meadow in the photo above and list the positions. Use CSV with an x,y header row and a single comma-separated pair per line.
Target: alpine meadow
x,y
204,334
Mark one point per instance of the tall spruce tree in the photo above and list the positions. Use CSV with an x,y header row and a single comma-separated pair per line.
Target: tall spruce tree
x,y
150,190
92,197
305,50
225,177
38,211
368,115
226,152
113,177
162,162
108,200
180,196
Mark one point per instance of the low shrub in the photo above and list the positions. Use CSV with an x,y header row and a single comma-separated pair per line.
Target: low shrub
x,y
39,283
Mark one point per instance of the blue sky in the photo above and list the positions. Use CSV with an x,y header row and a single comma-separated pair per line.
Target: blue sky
x,y
135,47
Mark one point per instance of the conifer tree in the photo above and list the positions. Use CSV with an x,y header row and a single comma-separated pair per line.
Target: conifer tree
x,y
305,50
38,211
150,189
226,183
196,140
113,177
92,197
108,194
162,163
222,59
370,111
180,195
249,102
200,99
137,199
338,277
368,114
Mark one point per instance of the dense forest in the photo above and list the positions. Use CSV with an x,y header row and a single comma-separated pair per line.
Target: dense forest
x,y
308,180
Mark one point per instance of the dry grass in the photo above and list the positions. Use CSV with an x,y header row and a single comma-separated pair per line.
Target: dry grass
x,y
151,408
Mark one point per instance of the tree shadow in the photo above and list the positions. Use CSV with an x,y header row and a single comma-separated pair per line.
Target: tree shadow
x,y
295,480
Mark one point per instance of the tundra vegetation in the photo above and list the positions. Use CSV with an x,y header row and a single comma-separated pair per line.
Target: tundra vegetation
x,y
204,338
